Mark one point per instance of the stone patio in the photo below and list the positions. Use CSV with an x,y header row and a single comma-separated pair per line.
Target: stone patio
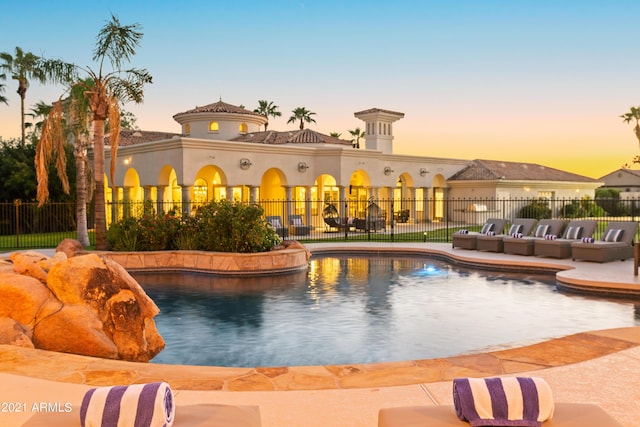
x,y
598,367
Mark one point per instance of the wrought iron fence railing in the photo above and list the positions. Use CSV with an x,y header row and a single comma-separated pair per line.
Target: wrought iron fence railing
x,y
25,225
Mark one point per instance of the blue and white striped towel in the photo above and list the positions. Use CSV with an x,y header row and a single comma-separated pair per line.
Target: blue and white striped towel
x,y
137,405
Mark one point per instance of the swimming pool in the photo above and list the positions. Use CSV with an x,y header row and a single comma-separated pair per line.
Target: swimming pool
x,y
366,309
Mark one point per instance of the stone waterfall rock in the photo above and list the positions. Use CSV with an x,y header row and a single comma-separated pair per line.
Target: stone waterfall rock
x,y
84,305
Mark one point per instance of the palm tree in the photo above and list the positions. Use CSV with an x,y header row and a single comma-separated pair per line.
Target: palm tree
x,y
335,134
27,66
267,109
39,111
303,115
3,98
103,91
356,134
633,115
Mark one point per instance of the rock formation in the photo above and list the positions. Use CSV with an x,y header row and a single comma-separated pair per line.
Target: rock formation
x,y
82,304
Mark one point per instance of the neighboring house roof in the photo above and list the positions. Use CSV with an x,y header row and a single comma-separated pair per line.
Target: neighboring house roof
x,y
219,107
633,175
133,137
481,170
305,136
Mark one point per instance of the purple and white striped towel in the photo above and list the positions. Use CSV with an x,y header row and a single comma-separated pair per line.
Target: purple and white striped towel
x,y
463,231
588,240
517,235
491,233
509,401
550,237
137,405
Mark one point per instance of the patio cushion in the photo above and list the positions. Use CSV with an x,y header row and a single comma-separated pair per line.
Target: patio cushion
x,y
515,228
486,228
573,233
541,230
613,235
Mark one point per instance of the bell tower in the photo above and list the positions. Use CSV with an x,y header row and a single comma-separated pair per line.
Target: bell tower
x,y
378,134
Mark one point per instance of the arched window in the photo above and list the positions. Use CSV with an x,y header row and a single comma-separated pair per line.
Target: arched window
x,y
214,127
243,128
187,128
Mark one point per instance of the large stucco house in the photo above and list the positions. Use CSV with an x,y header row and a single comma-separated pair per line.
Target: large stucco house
x,y
223,152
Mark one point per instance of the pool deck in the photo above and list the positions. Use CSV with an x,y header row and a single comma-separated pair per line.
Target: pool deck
x,y
600,367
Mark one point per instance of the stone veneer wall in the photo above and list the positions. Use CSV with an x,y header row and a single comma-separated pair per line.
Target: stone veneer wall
x,y
273,262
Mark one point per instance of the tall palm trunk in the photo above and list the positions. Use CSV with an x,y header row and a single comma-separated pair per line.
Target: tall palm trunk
x,y
22,91
98,171
81,195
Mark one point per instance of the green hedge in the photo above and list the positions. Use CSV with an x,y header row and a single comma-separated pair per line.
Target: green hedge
x,y
219,226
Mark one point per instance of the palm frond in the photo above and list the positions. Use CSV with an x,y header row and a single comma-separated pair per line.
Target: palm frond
x,y
50,145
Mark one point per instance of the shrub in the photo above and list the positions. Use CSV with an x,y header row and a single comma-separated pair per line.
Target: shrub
x,y
539,209
584,208
216,226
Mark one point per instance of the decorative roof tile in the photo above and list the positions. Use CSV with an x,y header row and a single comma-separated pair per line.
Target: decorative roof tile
x,y
305,136
481,170
133,137
219,107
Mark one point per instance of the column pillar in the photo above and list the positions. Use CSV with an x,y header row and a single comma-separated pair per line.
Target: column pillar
x,y
253,194
186,200
160,189
288,196
412,209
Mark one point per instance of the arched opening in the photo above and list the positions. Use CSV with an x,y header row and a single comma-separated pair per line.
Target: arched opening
x,y
214,127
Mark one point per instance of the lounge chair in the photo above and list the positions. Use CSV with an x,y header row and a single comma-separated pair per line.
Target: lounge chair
x,y
186,416
469,240
276,223
526,244
494,243
565,415
613,245
297,227
561,247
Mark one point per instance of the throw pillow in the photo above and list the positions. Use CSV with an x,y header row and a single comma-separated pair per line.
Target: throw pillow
x,y
613,235
515,228
541,230
486,228
573,233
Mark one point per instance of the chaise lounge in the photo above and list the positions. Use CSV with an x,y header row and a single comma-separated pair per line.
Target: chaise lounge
x,y
561,247
565,415
616,243
297,227
495,243
526,244
276,222
469,240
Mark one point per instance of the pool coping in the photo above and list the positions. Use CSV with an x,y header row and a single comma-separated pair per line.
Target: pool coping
x,y
551,353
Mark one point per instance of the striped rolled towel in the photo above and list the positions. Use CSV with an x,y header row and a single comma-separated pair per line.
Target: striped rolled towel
x,y
463,231
509,401
517,235
550,237
491,233
588,240
139,405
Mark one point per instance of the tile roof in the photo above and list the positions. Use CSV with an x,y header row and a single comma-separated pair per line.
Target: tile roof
x,y
480,170
305,136
133,137
378,110
220,107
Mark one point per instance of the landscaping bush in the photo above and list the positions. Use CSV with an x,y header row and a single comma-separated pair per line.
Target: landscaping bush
x,y
584,208
216,226
539,209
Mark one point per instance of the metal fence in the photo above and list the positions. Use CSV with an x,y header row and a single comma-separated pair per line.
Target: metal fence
x,y
25,225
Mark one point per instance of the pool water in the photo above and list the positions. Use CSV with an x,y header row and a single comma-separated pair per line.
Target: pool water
x,y
366,309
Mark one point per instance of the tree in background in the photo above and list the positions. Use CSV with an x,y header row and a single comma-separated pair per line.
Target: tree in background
x,y
25,66
633,115
335,134
302,114
104,89
356,134
267,109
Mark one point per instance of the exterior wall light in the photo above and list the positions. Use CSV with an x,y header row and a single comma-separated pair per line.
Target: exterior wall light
x,y
387,170
245,164
423,171
302,167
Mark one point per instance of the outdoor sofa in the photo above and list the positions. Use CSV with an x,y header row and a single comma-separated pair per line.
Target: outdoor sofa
x,y
561,247
495,243
276,222
526,244
565,415
469,240
616,243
